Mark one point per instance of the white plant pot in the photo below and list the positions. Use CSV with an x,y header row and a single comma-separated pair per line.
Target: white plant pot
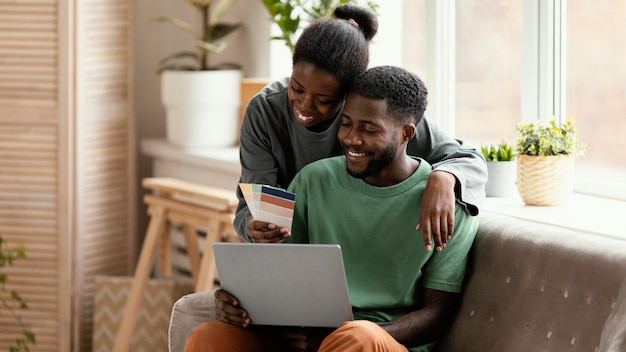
x,y
202,107
501,179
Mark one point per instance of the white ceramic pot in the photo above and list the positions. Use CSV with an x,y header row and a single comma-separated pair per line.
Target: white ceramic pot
x,y
501,179
202,107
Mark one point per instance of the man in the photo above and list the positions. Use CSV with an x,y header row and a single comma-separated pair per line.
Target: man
x,y
403,295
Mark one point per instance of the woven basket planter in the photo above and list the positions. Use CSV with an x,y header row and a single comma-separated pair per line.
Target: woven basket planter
x,y
545,180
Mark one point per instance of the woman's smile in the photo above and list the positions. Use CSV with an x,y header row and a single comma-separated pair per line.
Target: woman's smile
x,y
303,117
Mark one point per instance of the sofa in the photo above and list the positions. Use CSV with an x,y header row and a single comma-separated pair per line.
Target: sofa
x,y
529,287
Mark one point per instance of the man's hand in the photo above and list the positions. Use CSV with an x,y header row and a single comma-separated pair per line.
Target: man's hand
x,y
227,310
266,232
437,217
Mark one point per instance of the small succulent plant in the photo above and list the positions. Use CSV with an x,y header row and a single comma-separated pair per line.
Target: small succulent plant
x,y
498,152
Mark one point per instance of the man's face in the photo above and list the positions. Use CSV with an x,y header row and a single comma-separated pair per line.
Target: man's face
x,y
370,139
315,96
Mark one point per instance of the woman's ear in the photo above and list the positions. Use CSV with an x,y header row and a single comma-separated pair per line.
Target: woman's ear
x,y
408,131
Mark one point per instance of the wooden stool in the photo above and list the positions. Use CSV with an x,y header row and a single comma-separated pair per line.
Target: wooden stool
x,y
193,206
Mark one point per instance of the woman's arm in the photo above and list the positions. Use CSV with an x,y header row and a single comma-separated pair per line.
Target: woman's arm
x,y
465,162
459,175
258,165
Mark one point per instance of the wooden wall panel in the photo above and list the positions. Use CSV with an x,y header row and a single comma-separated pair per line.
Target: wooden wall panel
x,y
28,215
104,149
28,53
29,163
67,159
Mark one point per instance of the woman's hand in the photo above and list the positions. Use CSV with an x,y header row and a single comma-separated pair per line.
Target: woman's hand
x,y
267,232
438,205
227,310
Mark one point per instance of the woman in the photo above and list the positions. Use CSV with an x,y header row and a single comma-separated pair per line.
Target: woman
x,y
294,121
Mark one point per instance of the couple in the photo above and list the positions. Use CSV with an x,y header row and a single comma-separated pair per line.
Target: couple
x,y
364,200
370,187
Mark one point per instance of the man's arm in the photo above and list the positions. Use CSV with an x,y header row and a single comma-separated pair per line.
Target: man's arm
x,y
428,323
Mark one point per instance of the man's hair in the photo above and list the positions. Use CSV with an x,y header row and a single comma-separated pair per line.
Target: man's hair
x,y
404,92
339,46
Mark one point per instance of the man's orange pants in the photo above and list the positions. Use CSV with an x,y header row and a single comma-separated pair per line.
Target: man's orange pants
x,y
358,335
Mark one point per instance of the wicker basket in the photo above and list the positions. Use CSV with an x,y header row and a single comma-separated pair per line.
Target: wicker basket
x,y
545,180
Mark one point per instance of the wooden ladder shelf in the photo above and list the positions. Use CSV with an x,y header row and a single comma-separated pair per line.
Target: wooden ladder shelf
x,y
193,206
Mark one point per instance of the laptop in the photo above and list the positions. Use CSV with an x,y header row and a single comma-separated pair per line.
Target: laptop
x,y
286,284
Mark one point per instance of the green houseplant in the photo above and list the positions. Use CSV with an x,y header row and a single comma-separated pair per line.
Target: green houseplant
x,y
202,99
290,15
498,152
540,139
545,161
500,159
208,40
10,300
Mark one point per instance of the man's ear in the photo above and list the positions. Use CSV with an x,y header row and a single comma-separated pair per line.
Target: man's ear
x,y
408,131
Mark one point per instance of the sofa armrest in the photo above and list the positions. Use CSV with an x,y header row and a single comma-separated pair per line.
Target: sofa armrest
x,y
614,332
187,313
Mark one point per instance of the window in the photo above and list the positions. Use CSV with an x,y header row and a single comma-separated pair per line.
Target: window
x,y
488,74
490,64
596,91
532,59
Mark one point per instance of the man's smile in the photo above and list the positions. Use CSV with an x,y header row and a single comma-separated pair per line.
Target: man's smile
x,y
354,154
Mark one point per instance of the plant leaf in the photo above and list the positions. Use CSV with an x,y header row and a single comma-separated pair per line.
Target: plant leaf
x,y
221,30
176,67
214,48
201,3
181,55
178,23
226,66
220,8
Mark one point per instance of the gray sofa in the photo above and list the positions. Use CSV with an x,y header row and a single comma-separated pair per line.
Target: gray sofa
x,y
530,287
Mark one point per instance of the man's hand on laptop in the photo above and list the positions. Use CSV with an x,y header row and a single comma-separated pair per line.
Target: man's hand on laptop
x,y
266,232
227,310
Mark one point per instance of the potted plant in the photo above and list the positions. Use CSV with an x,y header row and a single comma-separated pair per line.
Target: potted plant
x,y
500,169
10,300
545,161
202,100
290,15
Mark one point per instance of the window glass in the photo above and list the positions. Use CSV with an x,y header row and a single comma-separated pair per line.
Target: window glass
x,y
596,82
400,42
414,32
488,70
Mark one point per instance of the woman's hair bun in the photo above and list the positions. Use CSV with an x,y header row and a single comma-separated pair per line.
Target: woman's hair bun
x,y
364,17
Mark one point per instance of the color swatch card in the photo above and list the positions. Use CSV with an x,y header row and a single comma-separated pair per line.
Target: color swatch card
x,y
270,204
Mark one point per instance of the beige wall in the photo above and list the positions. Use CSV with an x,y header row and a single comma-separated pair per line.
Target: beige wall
x,y
154,41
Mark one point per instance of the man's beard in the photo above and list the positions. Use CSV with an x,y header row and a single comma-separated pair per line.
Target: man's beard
x,y
376,165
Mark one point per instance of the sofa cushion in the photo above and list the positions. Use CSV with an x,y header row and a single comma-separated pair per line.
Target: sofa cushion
x,y
187,313
535,287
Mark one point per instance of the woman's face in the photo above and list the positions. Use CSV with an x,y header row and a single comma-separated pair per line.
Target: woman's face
x,y
315,96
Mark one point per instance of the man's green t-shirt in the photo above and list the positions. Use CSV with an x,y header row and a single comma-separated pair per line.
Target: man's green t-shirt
x,y
384,256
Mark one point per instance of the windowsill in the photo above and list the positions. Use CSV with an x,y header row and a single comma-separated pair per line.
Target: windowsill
x,y
590,214
581,212
221,159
